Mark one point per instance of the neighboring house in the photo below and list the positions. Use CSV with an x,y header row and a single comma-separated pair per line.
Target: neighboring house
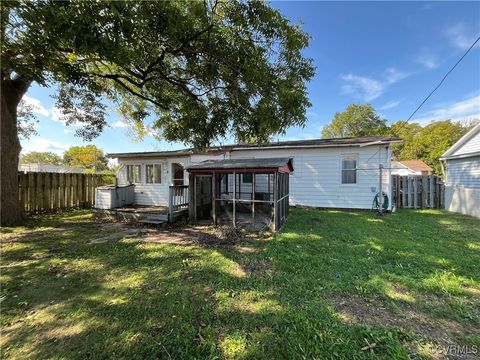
x,y
462,170
49,168
410,167
328,173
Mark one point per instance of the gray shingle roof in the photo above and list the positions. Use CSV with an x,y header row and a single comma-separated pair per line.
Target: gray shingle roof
x,y
242,164
338,142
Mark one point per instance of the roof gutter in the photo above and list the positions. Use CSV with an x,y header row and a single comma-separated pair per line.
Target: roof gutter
x,y
460,156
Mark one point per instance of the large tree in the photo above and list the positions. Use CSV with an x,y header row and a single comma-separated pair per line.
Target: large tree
x,y
41,157
356,120
89,157
200,70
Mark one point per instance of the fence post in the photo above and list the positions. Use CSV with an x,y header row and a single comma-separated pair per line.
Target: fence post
x,y
424,191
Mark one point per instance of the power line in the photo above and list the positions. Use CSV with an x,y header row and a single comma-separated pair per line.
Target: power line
x,y
441,82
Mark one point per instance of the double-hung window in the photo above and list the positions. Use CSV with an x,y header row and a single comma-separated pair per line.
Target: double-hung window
x,y
349,169
134,174
154,173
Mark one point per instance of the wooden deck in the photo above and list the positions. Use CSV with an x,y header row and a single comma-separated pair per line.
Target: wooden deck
x,y
140,214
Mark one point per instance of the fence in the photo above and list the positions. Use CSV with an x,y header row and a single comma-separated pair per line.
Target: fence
x,y
178,195
39,192
418,192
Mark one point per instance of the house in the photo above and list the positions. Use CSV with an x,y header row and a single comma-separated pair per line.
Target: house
x,y
462,171
50,168
411,167
343,173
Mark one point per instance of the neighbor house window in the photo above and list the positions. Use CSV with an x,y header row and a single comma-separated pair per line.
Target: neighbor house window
x,y
349,169
134,173
247,178
154,173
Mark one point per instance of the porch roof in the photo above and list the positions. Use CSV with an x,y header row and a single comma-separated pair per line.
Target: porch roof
x,y
263,165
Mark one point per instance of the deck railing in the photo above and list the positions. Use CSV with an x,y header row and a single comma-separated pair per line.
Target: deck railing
x,y
178,198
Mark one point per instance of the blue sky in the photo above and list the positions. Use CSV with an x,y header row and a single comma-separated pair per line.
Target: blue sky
x,y
390,54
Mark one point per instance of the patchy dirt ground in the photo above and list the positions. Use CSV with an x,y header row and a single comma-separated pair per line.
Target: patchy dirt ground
x,y
436,334
192,235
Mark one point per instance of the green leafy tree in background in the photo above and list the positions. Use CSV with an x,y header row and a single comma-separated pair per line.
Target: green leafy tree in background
x,y
197,70
427,143
88,157
356,120
39,157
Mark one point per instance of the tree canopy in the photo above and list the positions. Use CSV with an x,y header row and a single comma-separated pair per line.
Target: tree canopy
x,y
89,157
356,120
199,70
187,71
427,143
39,157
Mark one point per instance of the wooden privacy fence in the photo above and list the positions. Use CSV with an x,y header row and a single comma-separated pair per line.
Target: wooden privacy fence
x,y
39,192
418,192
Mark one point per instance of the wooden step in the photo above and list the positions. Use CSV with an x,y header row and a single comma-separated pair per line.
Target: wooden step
x,y
151,221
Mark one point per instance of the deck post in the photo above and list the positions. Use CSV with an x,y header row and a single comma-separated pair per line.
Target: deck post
x,y
214,196
170,204
191,195
234,197
275,200
253,203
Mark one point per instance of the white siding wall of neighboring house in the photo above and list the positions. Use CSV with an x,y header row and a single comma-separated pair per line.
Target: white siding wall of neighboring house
x,y
464,172
316,180
462,190
471,146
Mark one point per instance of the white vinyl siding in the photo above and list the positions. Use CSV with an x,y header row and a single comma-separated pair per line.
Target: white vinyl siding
x,y
155,194
463,172
317,179
471,146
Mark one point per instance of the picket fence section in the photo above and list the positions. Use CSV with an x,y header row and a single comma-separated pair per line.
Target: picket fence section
x,y
45,191
418,192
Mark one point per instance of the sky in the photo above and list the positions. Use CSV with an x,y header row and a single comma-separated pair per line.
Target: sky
x,y
388,54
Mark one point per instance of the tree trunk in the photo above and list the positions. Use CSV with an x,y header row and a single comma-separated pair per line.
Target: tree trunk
x,y
11,93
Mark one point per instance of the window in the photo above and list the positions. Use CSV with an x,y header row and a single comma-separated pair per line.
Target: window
x,y
349,169
154,173
247,178
134,173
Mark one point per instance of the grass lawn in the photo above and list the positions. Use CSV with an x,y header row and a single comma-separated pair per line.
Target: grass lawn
x,y
332,284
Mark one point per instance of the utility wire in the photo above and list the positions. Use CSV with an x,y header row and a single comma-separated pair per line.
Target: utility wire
x,y
441,82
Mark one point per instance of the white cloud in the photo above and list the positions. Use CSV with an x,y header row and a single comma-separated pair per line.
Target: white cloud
x,y
458,36
389,105
369,89
56,115
118,124
68,131
427,59
458,111
362,87
36,105
42,144
393,75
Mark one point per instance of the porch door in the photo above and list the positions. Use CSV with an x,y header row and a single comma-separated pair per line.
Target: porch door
x,y
203,197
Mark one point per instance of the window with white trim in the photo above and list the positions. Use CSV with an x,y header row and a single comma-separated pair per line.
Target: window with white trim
x,y
154,173
349,169
134,174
